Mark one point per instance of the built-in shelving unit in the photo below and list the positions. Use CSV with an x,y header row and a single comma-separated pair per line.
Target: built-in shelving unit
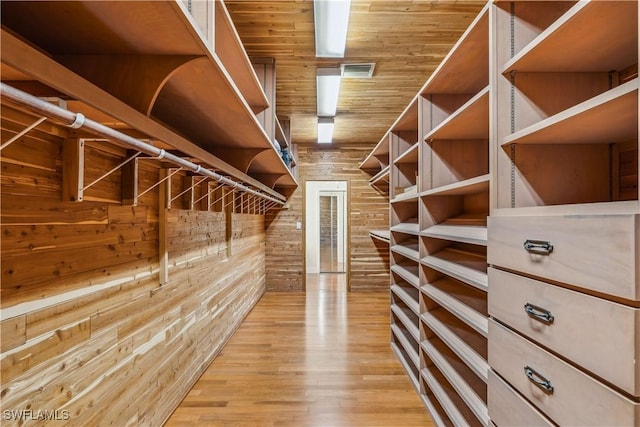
x,y
565,176
453,207
515,168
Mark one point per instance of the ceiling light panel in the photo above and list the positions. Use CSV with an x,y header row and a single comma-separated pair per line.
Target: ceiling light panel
x,y
331,20
327,91
325,130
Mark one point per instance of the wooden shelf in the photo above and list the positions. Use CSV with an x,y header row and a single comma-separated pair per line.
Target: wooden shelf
x,y
461,265
459,382
435,411
408,273
412,327
474,234
406,296
405,365
582,41
468,186
187,74
606,118
466,68
409,196
407,344
465,352
383,235
471,121
409,227
408,119
467,304
382,176
455,408
409,156
378,158
280,136
410,251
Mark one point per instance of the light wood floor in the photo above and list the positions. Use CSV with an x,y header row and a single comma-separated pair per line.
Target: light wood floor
x,y
317,360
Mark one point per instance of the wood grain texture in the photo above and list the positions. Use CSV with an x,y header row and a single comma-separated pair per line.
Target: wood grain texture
x,y
406,40
298,361
368,210
86,327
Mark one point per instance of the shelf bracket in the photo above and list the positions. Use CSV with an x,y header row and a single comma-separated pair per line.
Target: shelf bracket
x,y
111,171
163,179
190,188
22,133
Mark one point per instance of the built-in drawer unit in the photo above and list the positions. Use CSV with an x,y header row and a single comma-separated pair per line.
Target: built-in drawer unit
x,y
564,393
594,252
598,335
508,408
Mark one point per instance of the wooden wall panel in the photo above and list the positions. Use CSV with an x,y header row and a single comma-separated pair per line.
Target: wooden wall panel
x,y
368,209
86,327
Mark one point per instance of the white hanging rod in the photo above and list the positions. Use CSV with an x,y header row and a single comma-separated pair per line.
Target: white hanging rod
x,y
78,120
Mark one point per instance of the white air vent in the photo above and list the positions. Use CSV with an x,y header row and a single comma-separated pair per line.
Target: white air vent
x,y
357,71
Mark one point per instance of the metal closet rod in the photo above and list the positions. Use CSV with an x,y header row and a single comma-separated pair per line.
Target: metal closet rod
x,y
78,120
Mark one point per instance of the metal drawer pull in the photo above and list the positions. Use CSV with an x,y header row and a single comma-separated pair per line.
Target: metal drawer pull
x,y
539,380
539,313
539,247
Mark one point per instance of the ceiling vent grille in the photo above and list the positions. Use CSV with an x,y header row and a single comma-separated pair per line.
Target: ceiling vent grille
x,y
357,71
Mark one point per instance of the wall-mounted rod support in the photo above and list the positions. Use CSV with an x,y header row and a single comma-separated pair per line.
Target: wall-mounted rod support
x,y
21,134
77,120
111,171
159,182
189,189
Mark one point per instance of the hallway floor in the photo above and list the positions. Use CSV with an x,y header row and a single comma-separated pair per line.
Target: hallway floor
x,y
320,359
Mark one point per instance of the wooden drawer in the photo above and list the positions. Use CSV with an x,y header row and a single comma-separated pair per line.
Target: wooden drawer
x,y
508,408
584,329
595,252
576,399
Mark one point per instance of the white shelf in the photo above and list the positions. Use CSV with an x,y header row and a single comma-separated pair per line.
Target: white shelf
x,y
406,367
408,273
465,69
450,407
409,251
464,307
406,321
609,117
434,412
459,346
474,185
471,121
464,266
407,345
383,235
409,156
410,300
412,228
582,41
382,176
464,390
474,234
408,196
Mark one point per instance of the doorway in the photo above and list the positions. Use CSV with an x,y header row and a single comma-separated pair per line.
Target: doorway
x,y
326,227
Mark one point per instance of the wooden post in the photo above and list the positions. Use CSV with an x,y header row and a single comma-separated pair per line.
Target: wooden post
x,y
164,200
72,170
228,214
129,181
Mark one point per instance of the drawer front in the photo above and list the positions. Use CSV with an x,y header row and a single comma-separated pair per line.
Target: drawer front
x,y
571,397
582,328
508,408
595,252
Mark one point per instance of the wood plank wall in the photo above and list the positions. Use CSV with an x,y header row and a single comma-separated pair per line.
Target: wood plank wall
x,y
86,328
368,259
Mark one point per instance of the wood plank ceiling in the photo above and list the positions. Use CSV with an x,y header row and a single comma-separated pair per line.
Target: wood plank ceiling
x,y
406,40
